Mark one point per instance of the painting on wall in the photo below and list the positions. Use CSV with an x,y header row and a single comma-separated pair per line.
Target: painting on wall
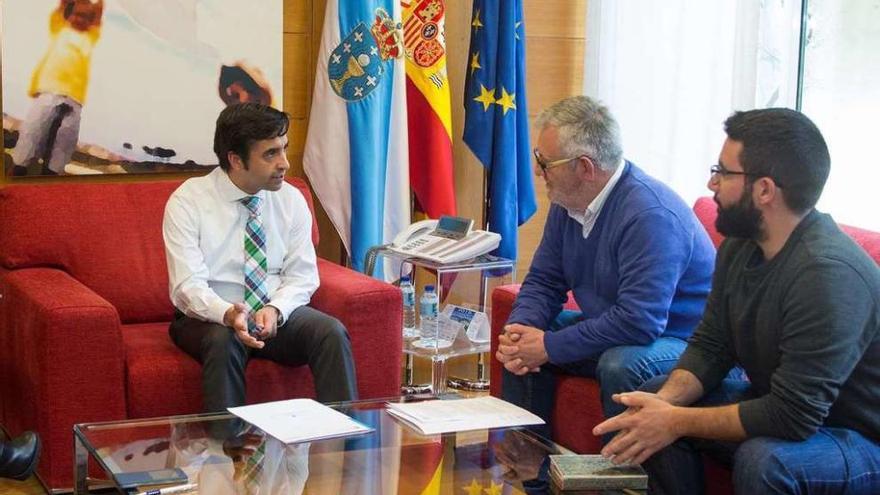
x,y
128,86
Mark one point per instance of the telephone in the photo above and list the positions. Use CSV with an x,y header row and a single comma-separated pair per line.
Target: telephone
x,y
447,240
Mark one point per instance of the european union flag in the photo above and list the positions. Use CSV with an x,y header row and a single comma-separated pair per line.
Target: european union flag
x,y
496,125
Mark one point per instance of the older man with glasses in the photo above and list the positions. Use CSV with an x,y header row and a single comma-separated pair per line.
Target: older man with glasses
x,y
631,251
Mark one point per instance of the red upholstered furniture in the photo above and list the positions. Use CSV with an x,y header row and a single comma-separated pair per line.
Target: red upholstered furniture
x,y
85,309
578,408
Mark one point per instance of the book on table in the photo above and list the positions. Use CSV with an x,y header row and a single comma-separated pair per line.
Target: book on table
x,y
594,472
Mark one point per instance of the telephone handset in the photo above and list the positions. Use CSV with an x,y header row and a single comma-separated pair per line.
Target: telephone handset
x,y
447,240
414,231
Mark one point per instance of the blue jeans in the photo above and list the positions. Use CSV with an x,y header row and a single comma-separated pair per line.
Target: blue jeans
x,y
832,461
619,369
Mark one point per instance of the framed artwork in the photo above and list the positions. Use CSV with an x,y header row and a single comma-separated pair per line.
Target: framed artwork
x,y
128,86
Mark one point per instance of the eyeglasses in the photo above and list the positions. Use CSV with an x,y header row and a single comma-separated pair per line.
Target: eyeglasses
x,y
548,165
718,171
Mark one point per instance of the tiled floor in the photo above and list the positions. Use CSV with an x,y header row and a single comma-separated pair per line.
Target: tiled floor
x,y
28,487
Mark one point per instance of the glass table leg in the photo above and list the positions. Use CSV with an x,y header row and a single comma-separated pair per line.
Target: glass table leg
x,y
438,375
80,466
478,385
408,387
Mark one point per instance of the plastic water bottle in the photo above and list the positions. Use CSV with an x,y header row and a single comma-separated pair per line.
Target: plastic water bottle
x,y
428,315
409,308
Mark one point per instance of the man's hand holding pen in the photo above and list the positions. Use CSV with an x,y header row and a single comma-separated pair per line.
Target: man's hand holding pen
x,y
266,320
252,329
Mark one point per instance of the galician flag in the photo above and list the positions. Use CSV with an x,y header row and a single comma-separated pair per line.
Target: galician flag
x,y
356,153
428,106
496,126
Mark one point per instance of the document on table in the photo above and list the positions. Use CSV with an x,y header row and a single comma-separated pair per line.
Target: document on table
x,y
299,420
442,416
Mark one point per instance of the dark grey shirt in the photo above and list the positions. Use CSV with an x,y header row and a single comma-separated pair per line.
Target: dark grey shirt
x,y
805,326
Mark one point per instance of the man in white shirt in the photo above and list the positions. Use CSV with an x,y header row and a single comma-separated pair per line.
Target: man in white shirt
x,y
238,246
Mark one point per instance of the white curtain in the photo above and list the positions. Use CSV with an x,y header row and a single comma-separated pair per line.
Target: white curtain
x,y
672,71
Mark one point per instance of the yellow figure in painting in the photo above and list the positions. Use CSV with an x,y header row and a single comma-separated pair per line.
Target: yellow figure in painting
x,y
58,86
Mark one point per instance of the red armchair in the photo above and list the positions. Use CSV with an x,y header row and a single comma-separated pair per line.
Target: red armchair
x,y
578,406
84,313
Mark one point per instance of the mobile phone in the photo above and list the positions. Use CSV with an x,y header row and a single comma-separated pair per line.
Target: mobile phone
x,y
155,477
253,329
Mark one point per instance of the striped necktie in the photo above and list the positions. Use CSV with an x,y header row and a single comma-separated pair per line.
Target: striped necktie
x,y
254,256
252,470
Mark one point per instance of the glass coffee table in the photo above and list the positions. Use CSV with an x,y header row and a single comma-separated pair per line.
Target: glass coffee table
x,y
224,455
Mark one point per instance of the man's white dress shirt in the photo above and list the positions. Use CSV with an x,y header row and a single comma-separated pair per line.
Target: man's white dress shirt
x,y
588,217
204,230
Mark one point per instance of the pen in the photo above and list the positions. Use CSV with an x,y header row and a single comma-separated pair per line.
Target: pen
x,y
171,489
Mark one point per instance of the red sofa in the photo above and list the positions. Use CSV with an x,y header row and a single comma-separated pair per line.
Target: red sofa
x,y
578,408
84,314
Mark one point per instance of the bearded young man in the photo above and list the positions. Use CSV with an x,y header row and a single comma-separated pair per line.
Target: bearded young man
x,y
796,303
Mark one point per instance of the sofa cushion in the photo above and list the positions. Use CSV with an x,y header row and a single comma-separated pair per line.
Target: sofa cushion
x,y
109,237
162,381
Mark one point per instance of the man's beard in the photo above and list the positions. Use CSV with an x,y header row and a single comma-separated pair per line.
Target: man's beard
x,y
741,219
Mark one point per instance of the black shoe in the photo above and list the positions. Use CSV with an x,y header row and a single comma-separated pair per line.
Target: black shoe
x,y
11,168
18,457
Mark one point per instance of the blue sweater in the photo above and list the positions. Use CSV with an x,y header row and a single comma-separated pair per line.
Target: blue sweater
x,y
644,271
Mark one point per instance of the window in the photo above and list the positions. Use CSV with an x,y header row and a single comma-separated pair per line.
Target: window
x,y
672,73
840,91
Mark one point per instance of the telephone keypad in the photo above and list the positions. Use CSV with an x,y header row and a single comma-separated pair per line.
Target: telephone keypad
x,y
416,243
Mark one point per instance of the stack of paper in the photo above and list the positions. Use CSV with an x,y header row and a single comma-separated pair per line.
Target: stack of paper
x,y
299,420
442,416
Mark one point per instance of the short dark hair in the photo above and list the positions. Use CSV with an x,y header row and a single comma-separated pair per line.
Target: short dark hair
x,y
240,125
786,146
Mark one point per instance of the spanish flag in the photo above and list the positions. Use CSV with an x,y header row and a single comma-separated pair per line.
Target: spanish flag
x,y
428,106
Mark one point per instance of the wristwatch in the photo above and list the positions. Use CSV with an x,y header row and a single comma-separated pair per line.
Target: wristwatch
x,y
280,319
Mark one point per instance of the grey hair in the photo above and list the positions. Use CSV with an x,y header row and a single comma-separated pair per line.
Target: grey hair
x,y
586,127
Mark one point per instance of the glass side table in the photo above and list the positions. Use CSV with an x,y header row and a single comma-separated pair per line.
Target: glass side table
x,y
480,275
462,346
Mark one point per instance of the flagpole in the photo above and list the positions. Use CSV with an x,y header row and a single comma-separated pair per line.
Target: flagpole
x,y
482,382
486,172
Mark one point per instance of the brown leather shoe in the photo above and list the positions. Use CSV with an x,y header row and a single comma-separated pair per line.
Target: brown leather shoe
x,y
18,457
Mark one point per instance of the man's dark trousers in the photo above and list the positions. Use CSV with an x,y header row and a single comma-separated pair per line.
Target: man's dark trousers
x,y
307,337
